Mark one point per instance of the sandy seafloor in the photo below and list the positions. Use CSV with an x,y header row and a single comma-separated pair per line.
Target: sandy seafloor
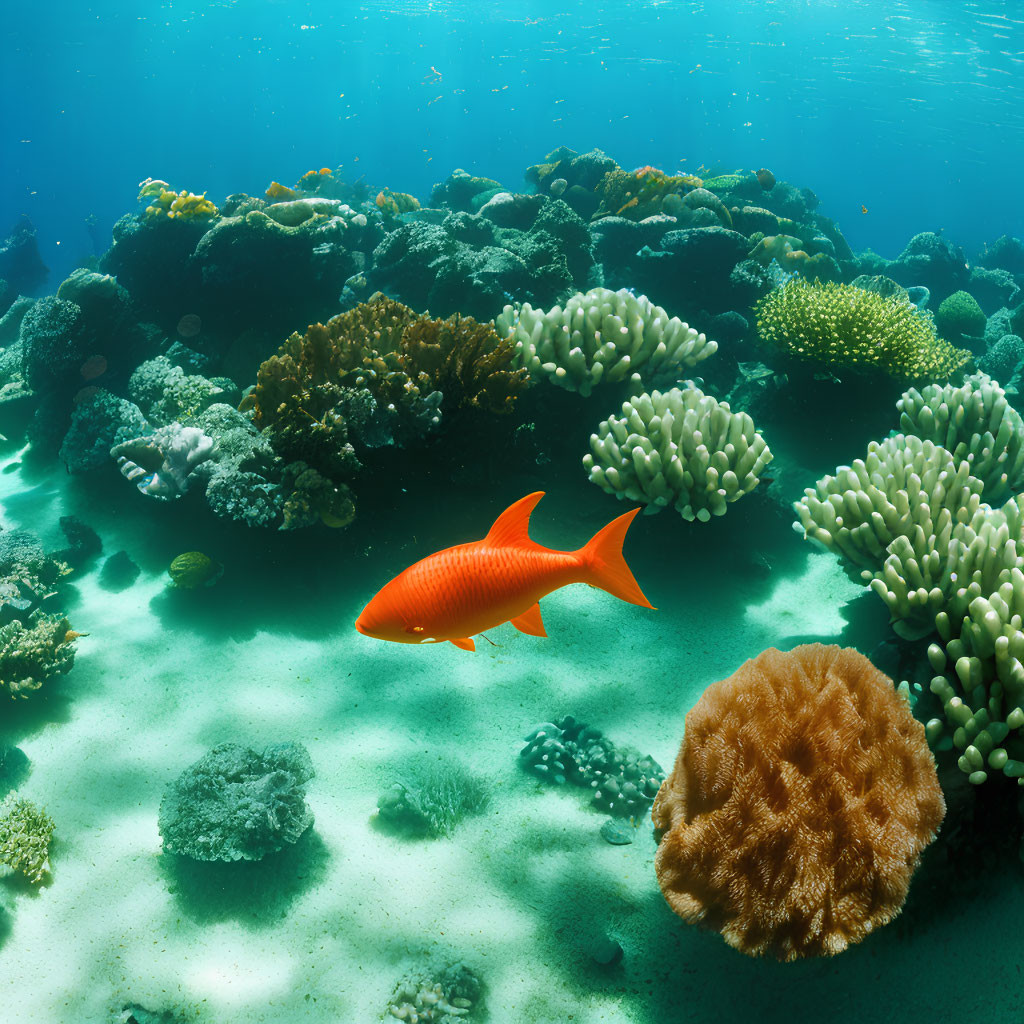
x,y
323,932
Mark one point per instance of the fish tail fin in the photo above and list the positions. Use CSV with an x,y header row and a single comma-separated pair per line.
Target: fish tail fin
x,y
604,566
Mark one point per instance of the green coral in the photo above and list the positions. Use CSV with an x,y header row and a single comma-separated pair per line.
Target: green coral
x,y
25,832
977,425
681,448
32,653
959,315
841,326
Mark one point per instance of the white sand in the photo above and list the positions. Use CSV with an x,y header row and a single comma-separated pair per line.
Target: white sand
x,y
519,894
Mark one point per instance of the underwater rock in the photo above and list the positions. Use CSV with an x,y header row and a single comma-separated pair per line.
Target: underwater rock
x,y
119,572
21,266
99,421
83,541
235,803
931,260
618,833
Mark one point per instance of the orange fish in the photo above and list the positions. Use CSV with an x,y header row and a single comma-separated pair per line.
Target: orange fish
x,y
460,591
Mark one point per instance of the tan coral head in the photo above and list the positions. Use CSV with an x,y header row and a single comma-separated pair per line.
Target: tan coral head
x,y
797,810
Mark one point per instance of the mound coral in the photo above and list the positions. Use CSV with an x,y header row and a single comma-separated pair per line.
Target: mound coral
x,y
25,832
238,804
599,336
959,315
799,805
841,326
682,448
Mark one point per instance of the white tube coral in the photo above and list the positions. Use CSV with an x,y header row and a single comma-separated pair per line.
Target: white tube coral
x,y
975,423
901,484
599,336
681,447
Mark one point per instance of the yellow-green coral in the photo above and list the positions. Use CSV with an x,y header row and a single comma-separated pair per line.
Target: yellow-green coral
x,y
175,205
842,326
25,832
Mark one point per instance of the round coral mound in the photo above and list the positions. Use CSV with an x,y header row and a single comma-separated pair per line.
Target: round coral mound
x,y
797,810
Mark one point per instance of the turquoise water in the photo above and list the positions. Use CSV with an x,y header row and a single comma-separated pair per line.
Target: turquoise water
x,y
294,299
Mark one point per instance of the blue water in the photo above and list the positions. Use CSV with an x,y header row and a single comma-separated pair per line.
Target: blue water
x,y
913,109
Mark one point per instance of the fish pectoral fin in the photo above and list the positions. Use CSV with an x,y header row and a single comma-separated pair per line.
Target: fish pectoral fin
x,y
464,643
530,621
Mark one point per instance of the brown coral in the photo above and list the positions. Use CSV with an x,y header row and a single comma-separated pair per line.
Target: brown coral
x,y
802,797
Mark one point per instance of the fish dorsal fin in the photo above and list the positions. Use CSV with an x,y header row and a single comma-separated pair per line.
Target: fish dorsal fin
x,y
512,527
464,643
530,621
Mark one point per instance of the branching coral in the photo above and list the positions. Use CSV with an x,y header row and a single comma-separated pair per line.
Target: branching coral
x,y
599,336
25,832
683,448
410,365
34,652
841,326
799,805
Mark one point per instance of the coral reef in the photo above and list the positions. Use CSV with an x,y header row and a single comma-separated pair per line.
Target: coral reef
x,y
799,805
181,205
25,833
602,336
623,782
843,327
238,804
960,316
682,448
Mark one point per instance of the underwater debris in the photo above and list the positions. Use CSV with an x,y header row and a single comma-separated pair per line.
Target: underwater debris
x,y
775,845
